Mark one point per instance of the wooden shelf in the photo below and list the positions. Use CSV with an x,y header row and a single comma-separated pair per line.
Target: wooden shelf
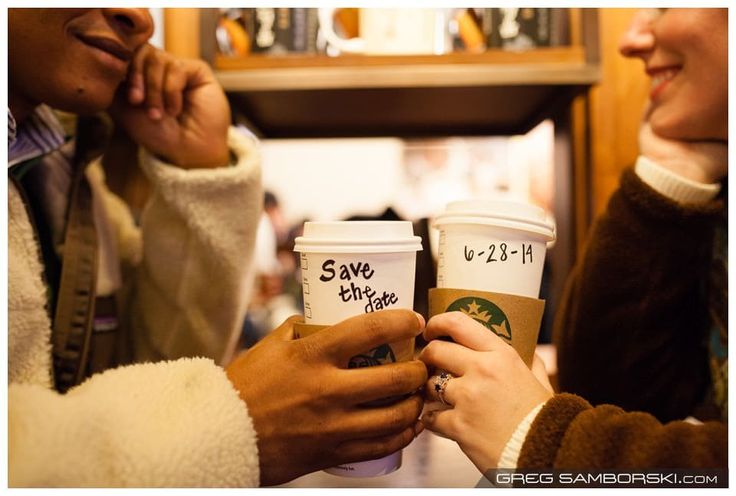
x,y
492,93
542,66
496,92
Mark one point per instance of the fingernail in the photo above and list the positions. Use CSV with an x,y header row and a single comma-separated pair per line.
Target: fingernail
x,y
154,113
420,318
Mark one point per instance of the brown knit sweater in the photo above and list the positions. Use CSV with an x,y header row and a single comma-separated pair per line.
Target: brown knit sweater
x,y
569,433
639,310
633,330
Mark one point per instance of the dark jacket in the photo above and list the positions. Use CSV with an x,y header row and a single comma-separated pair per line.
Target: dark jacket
x,y
636,319
634,330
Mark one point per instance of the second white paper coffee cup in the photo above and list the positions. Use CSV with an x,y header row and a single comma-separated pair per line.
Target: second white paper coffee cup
x,y
493,245
354,267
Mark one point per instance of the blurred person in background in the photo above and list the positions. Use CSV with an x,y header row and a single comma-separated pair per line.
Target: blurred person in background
x,y
270,304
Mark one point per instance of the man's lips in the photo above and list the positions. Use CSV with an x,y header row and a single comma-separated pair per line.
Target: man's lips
x,y
108,45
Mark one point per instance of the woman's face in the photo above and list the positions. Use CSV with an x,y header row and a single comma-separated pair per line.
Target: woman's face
x,y
72,59
685,53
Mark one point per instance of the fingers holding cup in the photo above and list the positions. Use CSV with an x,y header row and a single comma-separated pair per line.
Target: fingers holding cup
x,y
441,422
443,355
373,448
357,334
463,330
450,361
366,384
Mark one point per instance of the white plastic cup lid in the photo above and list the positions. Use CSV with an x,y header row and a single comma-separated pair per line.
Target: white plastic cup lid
x,y
360,236
499,213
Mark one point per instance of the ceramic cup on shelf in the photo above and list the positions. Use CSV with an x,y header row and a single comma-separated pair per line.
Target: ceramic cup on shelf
x,y
389,32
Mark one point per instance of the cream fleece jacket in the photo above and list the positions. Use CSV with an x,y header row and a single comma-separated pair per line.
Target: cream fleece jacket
x,y
169,423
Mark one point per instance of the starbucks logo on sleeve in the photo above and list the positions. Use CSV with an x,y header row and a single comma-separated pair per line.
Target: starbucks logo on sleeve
x,y
485,312
377,356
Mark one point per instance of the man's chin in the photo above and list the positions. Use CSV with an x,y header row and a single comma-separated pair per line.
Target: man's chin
x,y
84,102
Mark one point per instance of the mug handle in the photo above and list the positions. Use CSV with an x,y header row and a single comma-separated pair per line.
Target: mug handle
x,y
352,45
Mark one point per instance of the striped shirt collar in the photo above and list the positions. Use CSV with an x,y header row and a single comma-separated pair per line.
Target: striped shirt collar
x,y
37,135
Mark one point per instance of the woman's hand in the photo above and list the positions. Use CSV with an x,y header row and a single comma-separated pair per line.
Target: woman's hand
x,y
175,109
491,391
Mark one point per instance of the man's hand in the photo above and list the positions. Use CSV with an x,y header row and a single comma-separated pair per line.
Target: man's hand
x,y
175,109
701,161
305,402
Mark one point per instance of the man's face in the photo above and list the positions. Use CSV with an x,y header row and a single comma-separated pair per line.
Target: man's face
x,y
72,59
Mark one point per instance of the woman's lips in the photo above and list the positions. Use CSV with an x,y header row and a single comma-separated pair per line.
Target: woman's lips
x,y
660,78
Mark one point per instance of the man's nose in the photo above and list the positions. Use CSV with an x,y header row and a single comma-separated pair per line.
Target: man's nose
x,y
638,40
136,24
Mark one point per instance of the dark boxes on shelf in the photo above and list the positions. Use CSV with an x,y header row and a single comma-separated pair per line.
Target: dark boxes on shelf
x,y
270,31
521,28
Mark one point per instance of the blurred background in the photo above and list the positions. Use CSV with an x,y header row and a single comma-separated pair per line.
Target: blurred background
x,y
393,113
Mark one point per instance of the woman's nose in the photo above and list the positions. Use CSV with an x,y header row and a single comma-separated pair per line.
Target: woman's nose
x,y
134,23
638,40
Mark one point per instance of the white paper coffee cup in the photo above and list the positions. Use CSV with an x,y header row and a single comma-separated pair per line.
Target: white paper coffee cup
x,y
492,245
351,268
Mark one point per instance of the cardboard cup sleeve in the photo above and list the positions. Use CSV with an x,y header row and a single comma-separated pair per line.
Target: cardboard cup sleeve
x,y
515,319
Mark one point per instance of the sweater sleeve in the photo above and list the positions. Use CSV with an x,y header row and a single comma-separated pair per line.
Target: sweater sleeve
x,y
568,433
510,454
630,328
169,424
191,289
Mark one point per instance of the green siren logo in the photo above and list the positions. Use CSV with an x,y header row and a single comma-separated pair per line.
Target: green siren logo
x,y
485,312
377,356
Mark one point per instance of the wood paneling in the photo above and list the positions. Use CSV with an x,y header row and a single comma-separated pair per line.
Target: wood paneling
x,y
616,106
181,32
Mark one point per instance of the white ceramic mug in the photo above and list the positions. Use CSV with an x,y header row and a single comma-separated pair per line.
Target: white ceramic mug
x,y
390,32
